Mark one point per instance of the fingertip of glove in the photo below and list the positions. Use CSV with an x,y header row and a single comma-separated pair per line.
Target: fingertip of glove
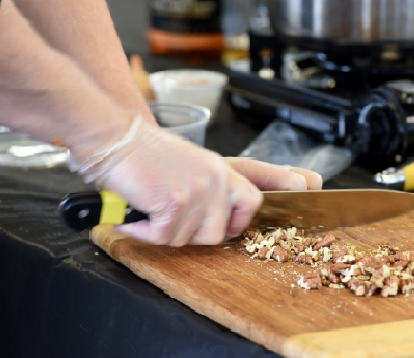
x,y
139,230
318,182
298,182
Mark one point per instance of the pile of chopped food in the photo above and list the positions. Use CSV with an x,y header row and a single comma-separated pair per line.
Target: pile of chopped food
x,y
385,271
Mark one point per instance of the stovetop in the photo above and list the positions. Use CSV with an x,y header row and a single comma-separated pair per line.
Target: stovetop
x,y
368,109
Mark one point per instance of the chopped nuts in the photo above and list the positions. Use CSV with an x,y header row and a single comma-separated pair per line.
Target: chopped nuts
x,y
353,271
336,285
346,259
363,277
405,256
280,254
379,277
338,256
251,234
269,254
392,251
307,241
406,286
310,281
303,259
362,288
390,287
259,239
245,242
338,267
251,248
263,252
400,265
327,254
384,271
326,241
300,247
351,251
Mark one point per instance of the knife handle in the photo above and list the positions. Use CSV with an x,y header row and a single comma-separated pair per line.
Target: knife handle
x,y
401,178
85,210
409,177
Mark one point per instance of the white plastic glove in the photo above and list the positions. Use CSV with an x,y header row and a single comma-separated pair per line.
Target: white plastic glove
x,y
191,194
269,177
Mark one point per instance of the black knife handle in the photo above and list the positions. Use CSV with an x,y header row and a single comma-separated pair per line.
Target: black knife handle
x,y
134,216
85,210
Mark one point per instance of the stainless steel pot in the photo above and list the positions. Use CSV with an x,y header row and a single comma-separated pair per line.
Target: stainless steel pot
x,y
347,21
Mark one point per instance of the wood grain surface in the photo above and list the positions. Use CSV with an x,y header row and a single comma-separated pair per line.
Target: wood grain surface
x,y
261,301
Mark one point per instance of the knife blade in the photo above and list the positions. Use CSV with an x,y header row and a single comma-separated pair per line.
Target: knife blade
x,y
303,209
331,208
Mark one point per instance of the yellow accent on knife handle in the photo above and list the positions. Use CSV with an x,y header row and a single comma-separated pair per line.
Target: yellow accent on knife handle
x,y
409,177
113,208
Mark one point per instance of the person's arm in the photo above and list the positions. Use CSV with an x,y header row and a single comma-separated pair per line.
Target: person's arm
x,y
44,93
84,31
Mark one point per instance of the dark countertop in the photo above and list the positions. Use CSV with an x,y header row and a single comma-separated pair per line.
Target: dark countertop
x,y
63,297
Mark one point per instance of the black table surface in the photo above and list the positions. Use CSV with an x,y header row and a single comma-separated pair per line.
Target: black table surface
x,y
61,296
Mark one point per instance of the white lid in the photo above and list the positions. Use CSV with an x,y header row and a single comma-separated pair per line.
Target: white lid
x,y
188,79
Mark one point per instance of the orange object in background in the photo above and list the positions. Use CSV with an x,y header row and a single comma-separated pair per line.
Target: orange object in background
x,y
165,43
141,77
186,28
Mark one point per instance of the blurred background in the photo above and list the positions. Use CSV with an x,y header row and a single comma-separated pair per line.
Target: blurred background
x,y
131,19
326,85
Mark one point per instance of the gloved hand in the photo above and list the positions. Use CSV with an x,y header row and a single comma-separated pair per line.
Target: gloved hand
x,y
269,177
191,194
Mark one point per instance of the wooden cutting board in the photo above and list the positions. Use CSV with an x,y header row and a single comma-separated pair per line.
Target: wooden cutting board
x,y
261,302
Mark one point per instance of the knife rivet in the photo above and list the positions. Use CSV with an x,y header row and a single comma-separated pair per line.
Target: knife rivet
x,y
83,213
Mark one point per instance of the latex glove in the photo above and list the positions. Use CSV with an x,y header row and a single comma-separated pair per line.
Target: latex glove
x,y
269,177
191,194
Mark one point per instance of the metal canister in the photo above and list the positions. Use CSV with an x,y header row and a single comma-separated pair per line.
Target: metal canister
x,y
354,21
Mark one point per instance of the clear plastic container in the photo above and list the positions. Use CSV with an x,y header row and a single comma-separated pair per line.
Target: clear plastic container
x,y
185,120
195,87
20,150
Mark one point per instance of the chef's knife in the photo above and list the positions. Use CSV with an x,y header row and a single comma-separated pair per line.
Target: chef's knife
x,y
305,209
